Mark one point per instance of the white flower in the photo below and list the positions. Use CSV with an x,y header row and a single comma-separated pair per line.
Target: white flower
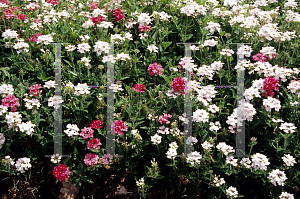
x,y
191,140
270,103
193,157
231,160
116,87
85,61
269,51
27,127
206,145
213,108
22,164
277,177
231,192
123,56
200,115
101,46
193,47
3,109
214,126
152,48
109,58
260,161
288,127
286,195
210,42
6,89
227,52
226,149
45,39
83,47
70,48
55,101
117,39
87,24
246,162
244,51
156,139
140,183
49,84
56,158
72,130
106,24
172,152
82,89
13,119
212,27
9,160
218,182
8,33
100,96
84,38
289,160
2,139
144,19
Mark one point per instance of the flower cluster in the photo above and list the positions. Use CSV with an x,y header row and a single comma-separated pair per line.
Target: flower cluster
x,y
226,149
155,69
193,157
61,172
91,159
270,84
164,118
118,14
94,144
120,127
172,152
277,177
260,161
140,88
87,132
178,84
22,164
11,101
96,124
106,159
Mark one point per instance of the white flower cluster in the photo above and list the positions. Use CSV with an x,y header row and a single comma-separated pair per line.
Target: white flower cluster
x,y
227,52
152,48
72,130
83,47
13,119
194,157
214,126
260,161
289,160
122,56
218,181
32,102
269,51
187,63
85,61
200,115
270,103
231,192
136,134
244,51
45,39
27,127
82,89
140,183
277,177
6,89
270,32
144,19
191,140
156,139
84,38
246,162
210,42
290,3
286,195
206,146
8,160
152,117
21,46
205,94
226,149
87,24
231,160
117,39
288,127
162,15
116,87
213,108
294,87
109,58
23,164
55,101
193,9
70,48
212,27
3,109
105,24
56,158
172,152
49,84
8,33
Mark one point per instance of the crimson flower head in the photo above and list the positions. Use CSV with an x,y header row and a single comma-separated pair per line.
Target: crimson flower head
x,y
118,14
155,69
94,144
22,17
139,88
34,37
144,28
7,2
96,124
35,89
260,57
8,12
178,85
120,126
270,84
61,172
11,101
95,20
54,2
93,5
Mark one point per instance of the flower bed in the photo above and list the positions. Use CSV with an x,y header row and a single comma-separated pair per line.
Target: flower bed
x,y
205,95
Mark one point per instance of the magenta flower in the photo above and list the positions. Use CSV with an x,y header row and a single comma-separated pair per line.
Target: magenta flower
x,y
94,144
35,89
104,159
118,14
87,132
11,101
144,28
164,118
93,5
178,84
54,2
120,126
260,57
61,172
7,2
155,69
22,17
270,84
95,20
139,88
34,37
91,159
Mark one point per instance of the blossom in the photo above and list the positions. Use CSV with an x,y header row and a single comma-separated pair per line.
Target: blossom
x,y
11,101
288,127
260,57
83,47
146,28
206,145
120,126
56,158
270,84
72,130
8,33
218,182
101,46
227,52
139,88
286,195
246,162
94,144
164,118
231,160
178,84
270,103
231,192
49,84
210,42
35,89
22,17
61,172
106,159
244,51
116,87
2,139
260,161
82,89
27,127
172,152
118,14
155,69
95,20
152,48
226,149
156,139
289,160
87,132
22,164
45,39
55,102
96,124
200,115
193,157
277,177
54,2
93,5
191,140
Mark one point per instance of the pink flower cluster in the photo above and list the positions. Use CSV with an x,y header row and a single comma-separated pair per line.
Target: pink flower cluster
x,y
61,172
22,17
164,118
7,2
93,5
270,84
144,28
118,14
178,84
262,58
11,101
94,144
104,159
91,159
34,37
95,20
54,2
35,89
87,132
96,124
140,88
120,126
155,69
8,12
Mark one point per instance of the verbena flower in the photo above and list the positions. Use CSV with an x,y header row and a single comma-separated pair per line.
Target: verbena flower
x,y
96,124
61,172
140,88
91,159
23,164
120,127
277,177
155,69
87,132
94,144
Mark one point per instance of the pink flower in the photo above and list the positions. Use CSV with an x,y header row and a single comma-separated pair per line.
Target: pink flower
x,y
178,84
95,20
139,88
11,101
270,84
119,127
7,2
144,28
118,14
93,5
54,2
22,17
35,89
104,159
94,144
96,124
164,118
91,159
61,172
34,37
8,13
37,20
155,69
260,57
87,132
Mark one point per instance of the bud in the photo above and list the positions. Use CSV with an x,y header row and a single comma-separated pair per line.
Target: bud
x,y
253,139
